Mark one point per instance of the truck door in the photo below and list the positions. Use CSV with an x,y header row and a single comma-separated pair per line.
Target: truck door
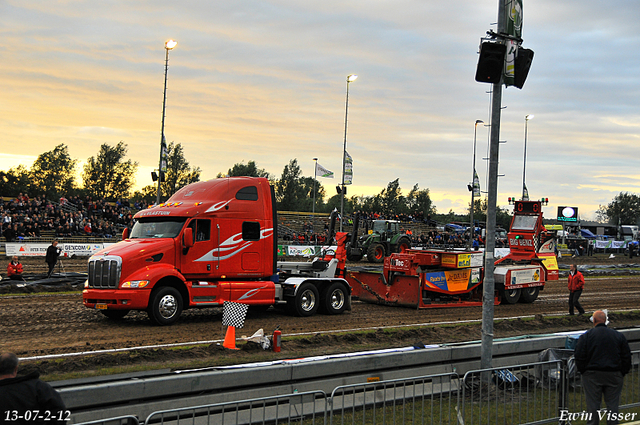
x,y
195,261
200,265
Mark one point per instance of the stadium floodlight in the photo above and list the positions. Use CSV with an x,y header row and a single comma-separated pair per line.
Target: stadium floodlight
x,y
162,168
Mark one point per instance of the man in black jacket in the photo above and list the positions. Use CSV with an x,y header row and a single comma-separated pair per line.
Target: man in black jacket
x,y
603,358
52,256
27,399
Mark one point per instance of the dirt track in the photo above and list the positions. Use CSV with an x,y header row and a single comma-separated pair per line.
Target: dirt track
x,y
34,325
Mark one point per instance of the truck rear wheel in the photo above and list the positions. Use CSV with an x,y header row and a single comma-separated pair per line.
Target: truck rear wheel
x,y
306,301
529,295
334,299
115,314
165,306
375,253
510,296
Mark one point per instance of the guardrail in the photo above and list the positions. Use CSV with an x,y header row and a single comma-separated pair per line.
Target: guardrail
x,y
534,393
142,395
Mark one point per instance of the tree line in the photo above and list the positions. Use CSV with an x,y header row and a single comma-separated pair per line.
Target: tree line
x,y
109,175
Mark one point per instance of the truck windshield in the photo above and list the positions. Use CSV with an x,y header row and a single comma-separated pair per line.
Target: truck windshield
x,y
157,228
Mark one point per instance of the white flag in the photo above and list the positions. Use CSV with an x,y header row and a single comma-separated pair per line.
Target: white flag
x,y
323,172
348,168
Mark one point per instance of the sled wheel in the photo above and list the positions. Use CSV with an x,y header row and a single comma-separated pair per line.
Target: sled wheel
x,y
529,295
510,296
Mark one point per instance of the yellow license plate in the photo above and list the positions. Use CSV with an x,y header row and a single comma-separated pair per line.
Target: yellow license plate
x,y
101,306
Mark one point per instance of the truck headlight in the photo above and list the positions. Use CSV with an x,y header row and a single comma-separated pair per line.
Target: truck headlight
x,y
135,284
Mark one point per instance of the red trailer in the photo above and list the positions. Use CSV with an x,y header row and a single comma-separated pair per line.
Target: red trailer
x,y
435,278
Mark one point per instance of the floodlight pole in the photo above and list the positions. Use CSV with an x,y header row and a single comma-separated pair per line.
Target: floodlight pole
x,y
170,44
486,351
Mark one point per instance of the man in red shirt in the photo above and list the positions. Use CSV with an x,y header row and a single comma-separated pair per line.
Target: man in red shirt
x,y
576,284
14,269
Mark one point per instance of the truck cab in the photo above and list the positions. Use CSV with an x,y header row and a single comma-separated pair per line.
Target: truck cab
x,y
211,242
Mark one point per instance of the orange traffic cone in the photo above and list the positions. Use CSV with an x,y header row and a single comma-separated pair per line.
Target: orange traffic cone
x,y
230,338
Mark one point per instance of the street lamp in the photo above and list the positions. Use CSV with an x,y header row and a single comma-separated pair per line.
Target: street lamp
x,y
524,166
315,173
170,44
350,78
473,184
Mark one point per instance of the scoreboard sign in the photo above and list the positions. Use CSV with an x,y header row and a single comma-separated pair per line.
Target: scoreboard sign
x,y
568,214
527,207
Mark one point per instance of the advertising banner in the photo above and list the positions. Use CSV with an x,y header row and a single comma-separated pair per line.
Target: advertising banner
x,y
40,249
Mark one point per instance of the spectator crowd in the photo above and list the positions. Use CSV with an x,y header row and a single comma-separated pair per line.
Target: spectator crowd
x,y
24,217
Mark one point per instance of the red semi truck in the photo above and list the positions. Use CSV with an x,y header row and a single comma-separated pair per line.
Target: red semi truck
x,y
211,242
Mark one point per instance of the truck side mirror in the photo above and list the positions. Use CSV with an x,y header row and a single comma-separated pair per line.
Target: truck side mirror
x,y
125,233
187,238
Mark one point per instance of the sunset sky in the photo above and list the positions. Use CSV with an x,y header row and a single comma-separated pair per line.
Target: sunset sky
x,y
265,81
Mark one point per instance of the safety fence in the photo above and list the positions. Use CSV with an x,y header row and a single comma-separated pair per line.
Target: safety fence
x,y
534,393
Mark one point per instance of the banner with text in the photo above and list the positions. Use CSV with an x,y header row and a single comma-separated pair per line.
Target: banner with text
x,y
40,249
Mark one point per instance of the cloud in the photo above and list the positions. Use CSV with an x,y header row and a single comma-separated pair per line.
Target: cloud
x,y
265,81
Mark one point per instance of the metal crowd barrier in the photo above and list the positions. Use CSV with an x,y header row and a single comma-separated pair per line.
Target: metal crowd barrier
x,y
429,399
523,394
534,393
308,408
119,420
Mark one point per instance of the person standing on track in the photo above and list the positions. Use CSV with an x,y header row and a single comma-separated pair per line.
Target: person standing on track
x,y
52,256
576,284
603,358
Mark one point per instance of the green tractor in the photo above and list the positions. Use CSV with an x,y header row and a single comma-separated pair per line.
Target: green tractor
x,y
379,242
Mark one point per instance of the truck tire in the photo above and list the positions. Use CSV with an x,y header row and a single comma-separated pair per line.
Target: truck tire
x,y
306,302
510,296
115,314
529,295
375,253
165,306
403,244
334,299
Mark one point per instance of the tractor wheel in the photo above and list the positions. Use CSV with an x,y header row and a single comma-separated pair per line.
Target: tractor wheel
x,y
165,306
306,302
510,296
403,244
529,295
115,314
334,299
375,253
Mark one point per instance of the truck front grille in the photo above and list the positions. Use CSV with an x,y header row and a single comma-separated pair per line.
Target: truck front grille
x,y
104,272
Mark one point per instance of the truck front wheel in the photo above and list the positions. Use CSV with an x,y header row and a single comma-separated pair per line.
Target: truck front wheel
x,y
165,306
306,301
334,299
